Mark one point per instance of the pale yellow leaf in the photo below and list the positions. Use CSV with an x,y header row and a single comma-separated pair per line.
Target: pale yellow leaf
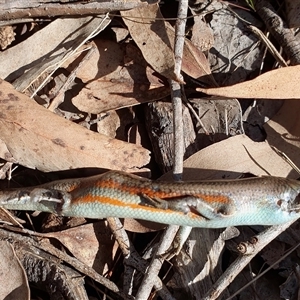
x,y
277,84
231,158
38,138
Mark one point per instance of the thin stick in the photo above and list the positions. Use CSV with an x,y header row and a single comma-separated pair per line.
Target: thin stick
x,y
176,90
269,45
156,263
132,258
169,234
263,239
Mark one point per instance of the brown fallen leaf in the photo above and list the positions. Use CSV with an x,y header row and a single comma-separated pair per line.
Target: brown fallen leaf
x,y
37,138
155,38
97,241
202,34
151,37
276,84
113,83
194,62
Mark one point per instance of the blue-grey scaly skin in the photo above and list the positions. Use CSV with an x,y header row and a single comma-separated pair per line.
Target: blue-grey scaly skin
x,y
209,204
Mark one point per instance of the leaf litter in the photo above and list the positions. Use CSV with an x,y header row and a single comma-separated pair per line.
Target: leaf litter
x,y
130,65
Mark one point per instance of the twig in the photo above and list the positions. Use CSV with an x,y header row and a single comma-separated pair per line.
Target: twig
x,y
170,232
132,258
178,130
23,9
242,261
265,271
156,263
176,90
269,45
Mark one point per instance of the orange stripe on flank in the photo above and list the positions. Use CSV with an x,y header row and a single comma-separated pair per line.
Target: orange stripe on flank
x,y
118,203
133,190
148,191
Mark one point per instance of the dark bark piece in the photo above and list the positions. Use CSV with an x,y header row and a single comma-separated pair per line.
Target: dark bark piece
x,y
58,280
160,129
49,274
36,247
279,29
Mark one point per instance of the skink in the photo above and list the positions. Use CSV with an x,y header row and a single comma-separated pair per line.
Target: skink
x,y
210,204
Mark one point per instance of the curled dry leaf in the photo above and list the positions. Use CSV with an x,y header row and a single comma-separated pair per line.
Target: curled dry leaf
x,y
52,45
37,138
113,83
277,84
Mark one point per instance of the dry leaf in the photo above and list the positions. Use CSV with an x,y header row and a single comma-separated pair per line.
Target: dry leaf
x,y
155,38
37,138
45,49
235,54
13,278
276,84
231,158
202,35
113,83
284,128
142,226
194,62
290,288
97,240
151,37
